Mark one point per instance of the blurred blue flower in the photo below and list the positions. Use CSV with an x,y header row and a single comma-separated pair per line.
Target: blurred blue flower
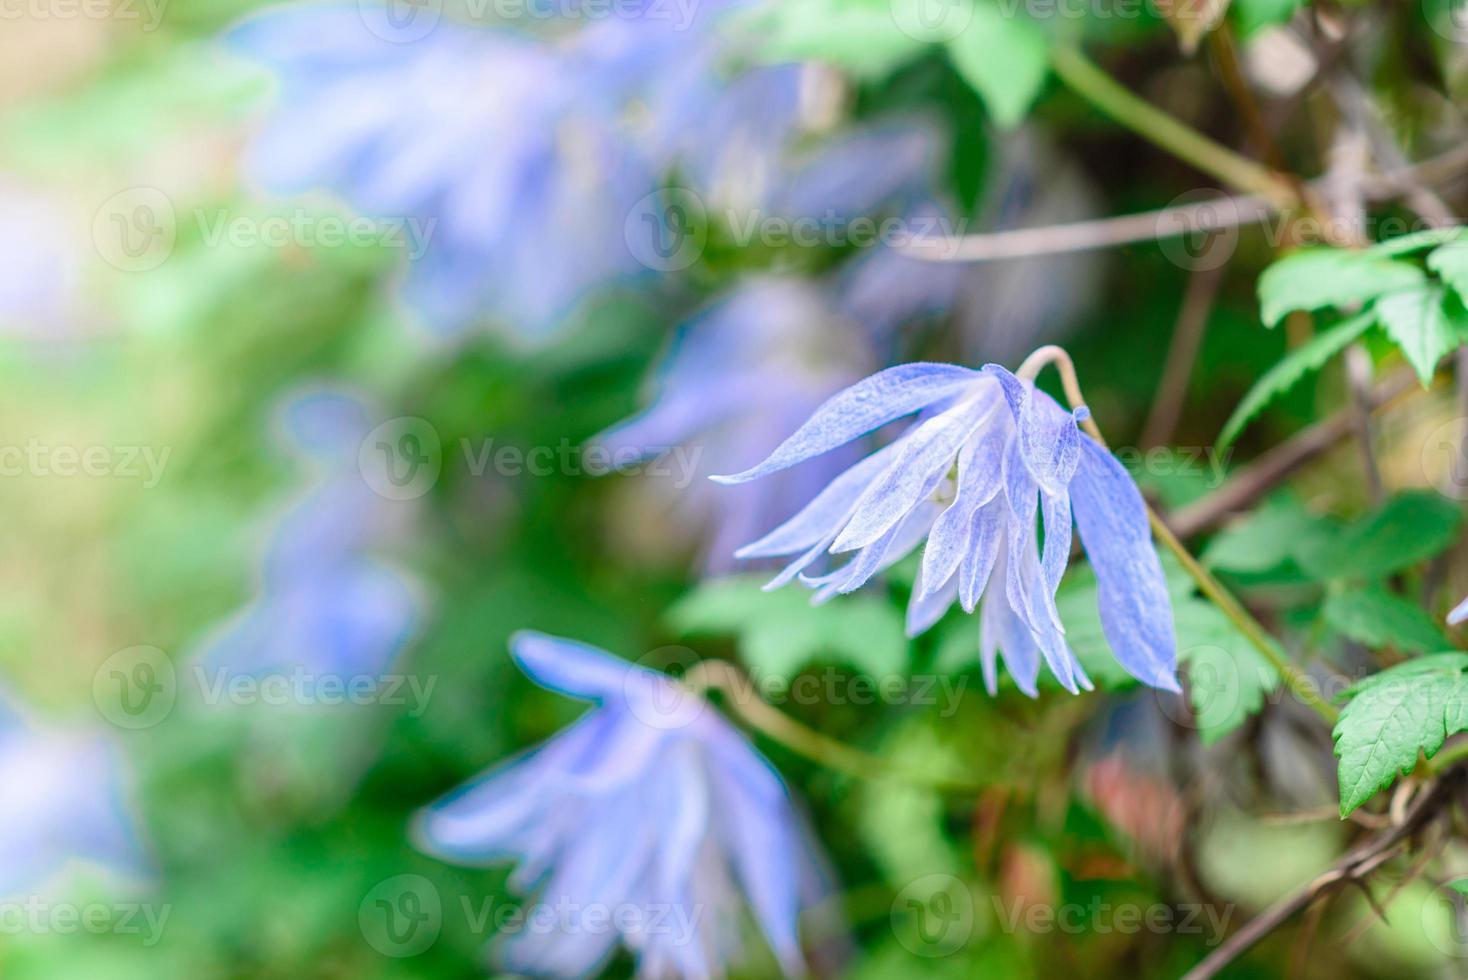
x,y
1459,614
65,803
751,366
504,152
989,457
327,610
645,821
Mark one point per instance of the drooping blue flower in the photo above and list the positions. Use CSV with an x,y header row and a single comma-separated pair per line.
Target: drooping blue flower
x,y
650,821
65,805
502,155
328,609
1459,615
989,459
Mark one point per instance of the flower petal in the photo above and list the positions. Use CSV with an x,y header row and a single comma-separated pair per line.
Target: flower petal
x,y
857,410
985,549
1136,613
926,456
980,474
579,670
824,516
1459,614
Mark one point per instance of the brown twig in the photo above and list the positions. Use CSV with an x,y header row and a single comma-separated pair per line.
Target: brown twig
x,y
1182,353
1216,214
1352,868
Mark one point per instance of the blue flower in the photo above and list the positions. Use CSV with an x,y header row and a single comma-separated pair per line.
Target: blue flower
x,y
503,153
645,821
1459,615
327,609
65,802
989,458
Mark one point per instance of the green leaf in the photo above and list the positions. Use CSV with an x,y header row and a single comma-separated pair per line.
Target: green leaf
x,y
1291,368
1004,58
860,36
1394,716
1407,529
1417,241
1460,886
1376,618
1450,262
1265,539
1421,324
1321,277
1227,679
779,633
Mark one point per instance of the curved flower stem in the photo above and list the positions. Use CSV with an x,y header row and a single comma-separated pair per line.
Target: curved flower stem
x,y
1088,81
1256,634
740,696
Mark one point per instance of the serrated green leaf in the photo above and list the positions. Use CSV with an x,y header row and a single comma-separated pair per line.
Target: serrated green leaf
x,y
1393,717
1450,262
1377,618
1005,59
1291,368
1420,323
1320,277
1407,529
780,633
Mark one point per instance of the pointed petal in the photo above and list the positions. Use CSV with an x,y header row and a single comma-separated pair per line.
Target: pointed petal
x,y
1136,613
823,517
863,407
986,545
925,457
928,605
577,670
1459,614
980,472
